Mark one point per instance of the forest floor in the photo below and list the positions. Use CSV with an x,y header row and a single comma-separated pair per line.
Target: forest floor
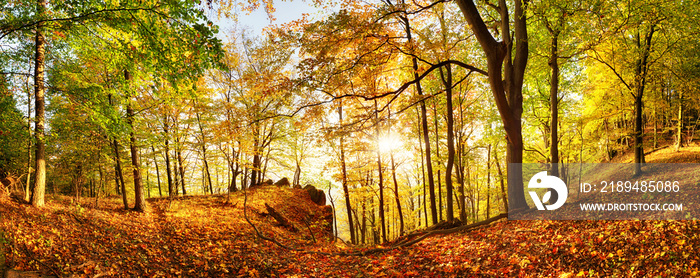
x,y
208,236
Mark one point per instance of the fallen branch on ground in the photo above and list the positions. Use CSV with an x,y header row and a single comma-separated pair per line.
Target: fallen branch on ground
x,y
280,219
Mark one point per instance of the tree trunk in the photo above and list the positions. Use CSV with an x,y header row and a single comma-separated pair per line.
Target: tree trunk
x,y
346,191
297,174
554,109
424,123
148,182
460,169
181,169
256,159
119,173
379,170
640,81
655,144
507,90
488,183
450,144
139,201
396,185
176,175
117,185
422,168
204,154
160,192
437,156
40,174
396,195
679,133
363,229
166,127
500,174
27,186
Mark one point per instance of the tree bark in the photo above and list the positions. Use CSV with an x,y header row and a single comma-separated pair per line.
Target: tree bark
x,y
204,154
500,174
450,144
396,196
27,186
554,109
140,201
39,90
679,127
346,191
166,130
396,185
640,81
176,175
488,183
424,123
119,173
507,90
160,192
437,156
379,170
181,169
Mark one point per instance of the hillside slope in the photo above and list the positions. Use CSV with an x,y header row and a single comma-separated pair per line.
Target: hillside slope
x,y
208,236
191,236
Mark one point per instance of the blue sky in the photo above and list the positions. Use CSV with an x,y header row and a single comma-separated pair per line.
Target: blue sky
x,y
286,11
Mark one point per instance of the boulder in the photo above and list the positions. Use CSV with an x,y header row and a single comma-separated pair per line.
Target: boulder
x,y
284,182
267,182
317,196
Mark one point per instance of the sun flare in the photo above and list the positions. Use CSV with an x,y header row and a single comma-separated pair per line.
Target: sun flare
x,y
389,143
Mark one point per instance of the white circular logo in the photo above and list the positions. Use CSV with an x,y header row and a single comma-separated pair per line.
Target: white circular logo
x,y
541,180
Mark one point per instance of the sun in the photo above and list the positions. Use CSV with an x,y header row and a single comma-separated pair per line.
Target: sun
x,y
389,143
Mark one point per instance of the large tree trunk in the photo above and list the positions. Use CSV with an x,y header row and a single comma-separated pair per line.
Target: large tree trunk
x,y
140,201
507,90
640,81
39,90
346,191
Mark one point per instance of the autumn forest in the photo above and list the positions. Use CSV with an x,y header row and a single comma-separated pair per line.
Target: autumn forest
x,y
163,138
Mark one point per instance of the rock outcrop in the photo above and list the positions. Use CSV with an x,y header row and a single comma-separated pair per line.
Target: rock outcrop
x,y
316,195
284,182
